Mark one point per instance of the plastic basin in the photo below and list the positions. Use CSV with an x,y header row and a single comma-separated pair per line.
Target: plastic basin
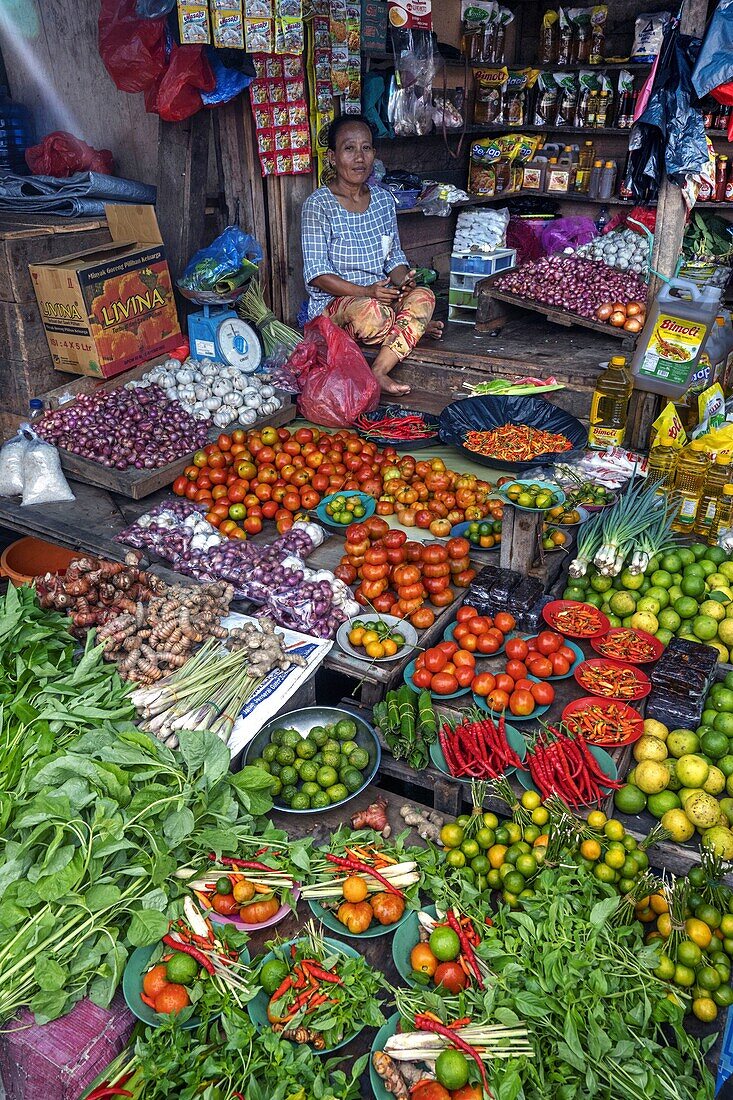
x,y
29,557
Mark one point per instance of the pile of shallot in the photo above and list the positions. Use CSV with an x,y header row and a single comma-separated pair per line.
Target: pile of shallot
x,y
573,284
123,428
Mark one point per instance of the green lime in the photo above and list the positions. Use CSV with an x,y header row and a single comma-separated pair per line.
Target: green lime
x,y
276,787
300,801
526,865
337,792
630,800
346,729
723,700
709,914
359,758
486,836
665,970
708,978
658,804
290,738
669,619
704,627
310,789
309,771
661,595
332,759
470,848
352,779
480,865
261,763
451,1069
320,801
319,736
181,968
223,886
276,737
692,585
445,944
514,882
671,562
715,743
725,763
686,607
273,974
689,954
661,578
326,776
288,776
285,755
600,584
307,749
269,753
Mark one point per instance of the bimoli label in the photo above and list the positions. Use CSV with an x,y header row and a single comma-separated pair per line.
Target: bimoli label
x,y
674,344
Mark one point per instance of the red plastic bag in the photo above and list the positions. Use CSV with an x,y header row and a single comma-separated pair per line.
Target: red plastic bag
x,y
178,94
61,154
132,49
336,382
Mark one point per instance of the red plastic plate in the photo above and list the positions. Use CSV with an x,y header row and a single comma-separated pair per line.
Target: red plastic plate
x,y
606,737
553,614
641,690
654,648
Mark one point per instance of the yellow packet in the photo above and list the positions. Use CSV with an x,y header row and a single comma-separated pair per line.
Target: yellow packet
x,y
193,23
711,407
668,427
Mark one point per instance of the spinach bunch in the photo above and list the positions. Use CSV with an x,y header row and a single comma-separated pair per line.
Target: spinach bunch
x,y
568,966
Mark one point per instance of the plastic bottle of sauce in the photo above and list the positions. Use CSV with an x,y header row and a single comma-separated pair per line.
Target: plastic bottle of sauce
x,y
721,177
689,478
610,405
604,105
729,184
595,178
585,165
718,476
662,465
607,183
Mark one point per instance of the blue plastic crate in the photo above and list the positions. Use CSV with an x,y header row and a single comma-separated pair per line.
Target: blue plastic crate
x,y
725,1062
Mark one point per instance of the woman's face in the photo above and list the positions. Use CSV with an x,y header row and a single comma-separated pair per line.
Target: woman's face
x,y
353,157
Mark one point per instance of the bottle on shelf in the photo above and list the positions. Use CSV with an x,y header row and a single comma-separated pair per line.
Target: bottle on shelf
x,y
603,109
722,116
662,465
610,405
721,177
723,517
717,477
607,183
689,478
35,407
595,178
603,219
625,109
729,183
586,156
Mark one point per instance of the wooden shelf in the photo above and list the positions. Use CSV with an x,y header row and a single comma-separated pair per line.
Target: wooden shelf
x,y
492,127
632,66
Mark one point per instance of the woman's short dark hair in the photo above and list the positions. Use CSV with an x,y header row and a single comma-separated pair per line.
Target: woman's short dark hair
x,y
346,120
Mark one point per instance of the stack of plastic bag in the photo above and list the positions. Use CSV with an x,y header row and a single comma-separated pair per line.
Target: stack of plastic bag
x,y
30,467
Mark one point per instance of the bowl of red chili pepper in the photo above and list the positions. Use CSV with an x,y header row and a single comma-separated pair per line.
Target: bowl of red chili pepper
x,y
612,680
603,721
395,426
626,643
575,619
511,433
561,763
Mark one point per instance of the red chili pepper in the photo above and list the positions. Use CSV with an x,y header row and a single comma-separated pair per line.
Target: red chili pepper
x,y
285,985
466,947
194,952
363,869
324,975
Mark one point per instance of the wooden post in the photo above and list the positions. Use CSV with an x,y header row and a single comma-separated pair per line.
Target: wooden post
x,y
671,210
240,175
521,536
285,198
183,152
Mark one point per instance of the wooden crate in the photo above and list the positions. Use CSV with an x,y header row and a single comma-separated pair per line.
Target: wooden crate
x,y
491,315
133,483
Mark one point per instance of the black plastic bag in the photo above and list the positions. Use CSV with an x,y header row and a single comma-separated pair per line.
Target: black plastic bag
x,y
488,412
715,61
670,134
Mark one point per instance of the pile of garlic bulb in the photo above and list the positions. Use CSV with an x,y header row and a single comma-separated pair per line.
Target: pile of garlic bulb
x,y
210,390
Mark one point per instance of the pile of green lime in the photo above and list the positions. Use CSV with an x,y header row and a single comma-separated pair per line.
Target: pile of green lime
x,y
686,593
313,772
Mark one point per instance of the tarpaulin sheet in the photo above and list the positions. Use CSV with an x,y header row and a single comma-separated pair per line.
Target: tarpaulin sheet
x,y
83,194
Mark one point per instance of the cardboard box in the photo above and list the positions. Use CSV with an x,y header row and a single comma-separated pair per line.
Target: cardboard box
x,y
108,309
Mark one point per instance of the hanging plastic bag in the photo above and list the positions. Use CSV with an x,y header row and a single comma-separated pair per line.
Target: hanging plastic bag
x,y
336,382
43,478
567,233
178,95
714,65
228,82
60,154
217,273
132,49
12,458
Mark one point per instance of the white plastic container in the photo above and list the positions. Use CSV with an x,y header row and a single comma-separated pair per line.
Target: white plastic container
x,y
673,337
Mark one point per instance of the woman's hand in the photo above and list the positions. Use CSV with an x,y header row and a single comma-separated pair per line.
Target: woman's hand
x,y
383,291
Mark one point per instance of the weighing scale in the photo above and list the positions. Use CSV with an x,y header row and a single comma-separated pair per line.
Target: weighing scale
x,y
218,333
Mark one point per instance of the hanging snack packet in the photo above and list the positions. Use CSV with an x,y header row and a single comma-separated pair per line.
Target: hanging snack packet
x,y
648,35
580,20
515,96
546,100
565,38
711,410
668,427
598,17
193,24
228,28
549,38
489,90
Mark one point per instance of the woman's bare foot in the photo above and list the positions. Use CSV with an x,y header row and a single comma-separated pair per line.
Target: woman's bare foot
x,y
434,329
388,385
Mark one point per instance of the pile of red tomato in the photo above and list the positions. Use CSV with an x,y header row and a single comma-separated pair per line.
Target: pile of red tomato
x,y
544,656
444,669
246,477
481,634
398,576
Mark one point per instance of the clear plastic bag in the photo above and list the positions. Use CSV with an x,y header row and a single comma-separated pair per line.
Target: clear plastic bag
x,y
12,459
43,479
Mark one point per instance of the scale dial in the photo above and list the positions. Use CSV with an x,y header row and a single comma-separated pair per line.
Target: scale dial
x,y
238,344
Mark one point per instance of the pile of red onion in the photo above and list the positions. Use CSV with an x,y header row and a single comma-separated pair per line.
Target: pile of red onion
x,y
122,428
571,283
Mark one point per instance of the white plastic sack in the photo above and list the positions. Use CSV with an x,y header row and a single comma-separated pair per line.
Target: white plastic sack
x,y
43,479
12,458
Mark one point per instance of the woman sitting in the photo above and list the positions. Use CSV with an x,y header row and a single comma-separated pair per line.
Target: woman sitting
x,y
354,268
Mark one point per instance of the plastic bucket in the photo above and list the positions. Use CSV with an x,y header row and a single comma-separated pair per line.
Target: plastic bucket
x,y
27,558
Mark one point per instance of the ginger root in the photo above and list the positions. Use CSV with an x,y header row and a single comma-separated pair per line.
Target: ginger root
x,y
391,1074
428,825
373,817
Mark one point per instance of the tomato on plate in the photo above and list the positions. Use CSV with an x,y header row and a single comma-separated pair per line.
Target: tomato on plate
x,y
505,622
543,694
549,642
516,649
540,666
498,700
505,682
487,644
435,660
464,674
560,664
521,702
516,669
444,684
421,678
483,684
479,624
465,613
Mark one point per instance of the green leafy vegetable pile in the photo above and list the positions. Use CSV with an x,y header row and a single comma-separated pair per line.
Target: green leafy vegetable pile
x,y
96,817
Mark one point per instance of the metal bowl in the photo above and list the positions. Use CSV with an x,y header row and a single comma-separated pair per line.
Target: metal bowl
x,y
408,632
303,721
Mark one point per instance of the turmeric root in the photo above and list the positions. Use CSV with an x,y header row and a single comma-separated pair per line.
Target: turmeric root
x,y
373,817
392,1076
300,1035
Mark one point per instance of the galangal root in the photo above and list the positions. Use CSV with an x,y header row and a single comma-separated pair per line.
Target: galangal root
x,y
155,638
394,1079
373,817
428,825
92,592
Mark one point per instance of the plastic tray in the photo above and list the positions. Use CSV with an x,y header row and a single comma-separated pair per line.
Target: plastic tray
x,y
642,680
550,613
579,705
656,645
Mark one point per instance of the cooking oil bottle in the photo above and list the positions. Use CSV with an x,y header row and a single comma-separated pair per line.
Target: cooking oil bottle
x,y
689,478
717,477
610,405
723,514
662,465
